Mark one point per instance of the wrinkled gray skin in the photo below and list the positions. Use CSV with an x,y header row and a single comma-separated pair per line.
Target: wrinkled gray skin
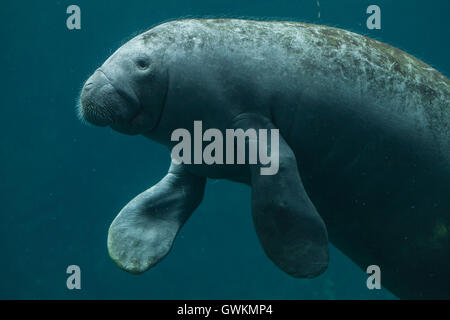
x,y
365,143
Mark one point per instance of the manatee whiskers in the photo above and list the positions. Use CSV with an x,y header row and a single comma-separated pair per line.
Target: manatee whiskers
x,y
97,115
79,112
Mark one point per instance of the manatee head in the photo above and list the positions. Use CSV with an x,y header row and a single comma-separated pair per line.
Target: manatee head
x,y
128,91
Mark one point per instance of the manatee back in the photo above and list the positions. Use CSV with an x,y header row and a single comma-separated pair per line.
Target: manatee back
x,y
322,64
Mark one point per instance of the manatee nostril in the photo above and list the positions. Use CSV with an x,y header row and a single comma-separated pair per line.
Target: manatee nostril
x,y
88,86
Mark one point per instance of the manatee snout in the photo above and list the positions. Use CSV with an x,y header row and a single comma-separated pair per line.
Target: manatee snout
x,y
102,104
96,91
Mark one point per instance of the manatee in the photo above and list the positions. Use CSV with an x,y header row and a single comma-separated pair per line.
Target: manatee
x,y
364,147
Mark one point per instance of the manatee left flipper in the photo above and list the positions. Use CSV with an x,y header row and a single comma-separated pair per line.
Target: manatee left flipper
x,y
144,230
288,226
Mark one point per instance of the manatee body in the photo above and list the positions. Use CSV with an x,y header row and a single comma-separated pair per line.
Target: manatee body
x,y
364,149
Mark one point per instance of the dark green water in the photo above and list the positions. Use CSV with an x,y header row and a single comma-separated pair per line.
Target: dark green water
x,y
62,183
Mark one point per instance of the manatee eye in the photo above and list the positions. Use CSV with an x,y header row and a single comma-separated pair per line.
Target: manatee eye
x,y
142,64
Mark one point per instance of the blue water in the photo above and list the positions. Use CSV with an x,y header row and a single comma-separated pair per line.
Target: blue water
x,y
62,183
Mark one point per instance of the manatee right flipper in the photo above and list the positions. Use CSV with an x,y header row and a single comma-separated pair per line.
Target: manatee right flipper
x,y
144,230
288,226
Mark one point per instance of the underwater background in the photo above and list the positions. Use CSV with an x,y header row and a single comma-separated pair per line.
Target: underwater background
x,y
62,182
